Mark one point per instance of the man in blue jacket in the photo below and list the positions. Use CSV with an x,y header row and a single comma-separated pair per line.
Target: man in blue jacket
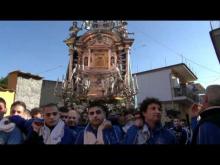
x,y
207,131
9,133
99,130
73,122
152,131
52,131
179,132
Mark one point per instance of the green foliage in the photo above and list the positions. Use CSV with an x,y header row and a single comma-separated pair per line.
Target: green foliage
x,y
4,82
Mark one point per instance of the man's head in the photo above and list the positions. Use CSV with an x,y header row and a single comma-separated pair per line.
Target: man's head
x,y
64,113
212,96
176,122
36,113
96,113
151,110
84,117
73,118
2,106
121,119
129,116
51,114
114,118
18,108
138,119
182,122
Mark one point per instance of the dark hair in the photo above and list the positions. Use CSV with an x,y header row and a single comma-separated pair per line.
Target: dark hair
x,y
35,111
21,103
129,111
99,104
49,105
27,111
139,113
184,120
63,109
146,102
85,111
2,101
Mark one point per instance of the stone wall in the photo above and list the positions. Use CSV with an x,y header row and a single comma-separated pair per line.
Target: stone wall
x,y
28,90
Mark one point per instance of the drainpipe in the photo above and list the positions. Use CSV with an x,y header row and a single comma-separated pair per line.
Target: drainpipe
x,y
171,89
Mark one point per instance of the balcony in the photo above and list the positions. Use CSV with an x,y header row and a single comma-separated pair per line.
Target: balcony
x,y
184,91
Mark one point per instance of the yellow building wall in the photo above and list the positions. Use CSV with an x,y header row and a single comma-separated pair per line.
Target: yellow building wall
x,y
9,98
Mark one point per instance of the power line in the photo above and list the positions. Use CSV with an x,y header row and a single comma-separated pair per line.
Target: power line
x,y
59,66
174,51
211,80
216,79
202,65
204,77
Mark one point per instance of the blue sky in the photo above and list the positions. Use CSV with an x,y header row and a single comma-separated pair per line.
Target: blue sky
x,y
37,47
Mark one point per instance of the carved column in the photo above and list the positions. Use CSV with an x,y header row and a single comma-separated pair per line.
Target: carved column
x,y
70,62
89,57
109,58
127,65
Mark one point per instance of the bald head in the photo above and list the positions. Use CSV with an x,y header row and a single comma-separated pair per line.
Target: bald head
x,y
213,95
73,118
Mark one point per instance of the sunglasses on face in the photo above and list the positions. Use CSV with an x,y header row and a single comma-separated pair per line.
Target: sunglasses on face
x,y
49,114
98,112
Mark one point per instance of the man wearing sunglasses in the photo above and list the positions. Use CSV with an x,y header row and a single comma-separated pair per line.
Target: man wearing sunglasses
x,y
52,131
152,131
99,130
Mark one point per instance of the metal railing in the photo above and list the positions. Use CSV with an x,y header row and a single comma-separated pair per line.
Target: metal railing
x,y
184,91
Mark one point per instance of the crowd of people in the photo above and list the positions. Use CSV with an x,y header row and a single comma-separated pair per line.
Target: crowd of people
x,y
51,124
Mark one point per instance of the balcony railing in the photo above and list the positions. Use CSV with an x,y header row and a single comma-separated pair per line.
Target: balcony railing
x,y
183,91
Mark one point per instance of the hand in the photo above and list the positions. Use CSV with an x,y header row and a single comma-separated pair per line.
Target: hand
x,y
105,124
36,127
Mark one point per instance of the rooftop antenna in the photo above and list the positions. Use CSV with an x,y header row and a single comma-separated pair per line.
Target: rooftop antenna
x,y
211,25
181,57
165,61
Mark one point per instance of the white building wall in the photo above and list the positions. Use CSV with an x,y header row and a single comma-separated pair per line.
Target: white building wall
x,y
154,84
